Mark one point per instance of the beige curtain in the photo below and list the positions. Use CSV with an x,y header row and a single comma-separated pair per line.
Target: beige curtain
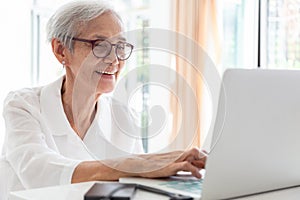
x,y
198,20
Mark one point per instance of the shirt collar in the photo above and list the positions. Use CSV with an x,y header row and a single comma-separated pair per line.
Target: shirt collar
x,y
52,108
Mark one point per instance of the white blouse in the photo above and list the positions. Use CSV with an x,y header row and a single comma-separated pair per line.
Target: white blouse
x,y
41,148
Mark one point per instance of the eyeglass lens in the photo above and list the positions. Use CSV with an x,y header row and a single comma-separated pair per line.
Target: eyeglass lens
x,y
103,48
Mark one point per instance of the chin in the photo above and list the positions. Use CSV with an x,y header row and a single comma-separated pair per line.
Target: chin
x,y
107,89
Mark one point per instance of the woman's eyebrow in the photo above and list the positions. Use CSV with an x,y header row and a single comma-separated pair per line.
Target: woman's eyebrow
x,y
101,37
122,39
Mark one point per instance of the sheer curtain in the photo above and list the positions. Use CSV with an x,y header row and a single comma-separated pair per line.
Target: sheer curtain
x,y
197,20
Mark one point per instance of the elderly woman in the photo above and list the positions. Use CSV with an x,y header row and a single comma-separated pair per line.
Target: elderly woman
x,y
56,134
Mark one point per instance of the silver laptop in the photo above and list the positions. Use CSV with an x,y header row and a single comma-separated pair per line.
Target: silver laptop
x,y
256,141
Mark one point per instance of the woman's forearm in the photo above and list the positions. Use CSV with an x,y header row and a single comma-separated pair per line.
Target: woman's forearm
x,y
95,171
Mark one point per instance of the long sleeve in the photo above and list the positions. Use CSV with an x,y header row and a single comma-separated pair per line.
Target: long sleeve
x,y
29,147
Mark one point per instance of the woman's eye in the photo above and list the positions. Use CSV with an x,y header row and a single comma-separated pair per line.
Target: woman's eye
x,y
101,43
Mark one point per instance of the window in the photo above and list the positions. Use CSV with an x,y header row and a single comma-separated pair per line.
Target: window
x,y
262,33
282,34
240,34
137,16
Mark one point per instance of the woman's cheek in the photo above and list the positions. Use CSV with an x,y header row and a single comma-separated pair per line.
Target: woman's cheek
x,y
121,66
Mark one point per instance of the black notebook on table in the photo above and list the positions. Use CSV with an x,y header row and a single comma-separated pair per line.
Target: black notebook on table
x,y
111,191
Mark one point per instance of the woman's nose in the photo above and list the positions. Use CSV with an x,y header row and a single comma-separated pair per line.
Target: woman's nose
x,y
112,57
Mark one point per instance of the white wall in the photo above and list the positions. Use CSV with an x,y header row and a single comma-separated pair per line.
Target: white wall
x,y
14,50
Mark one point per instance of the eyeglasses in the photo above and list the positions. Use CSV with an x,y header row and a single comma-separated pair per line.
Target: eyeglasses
x,y
102,48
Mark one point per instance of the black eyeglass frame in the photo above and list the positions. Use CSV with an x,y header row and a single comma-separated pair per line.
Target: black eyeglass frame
x,y
93,42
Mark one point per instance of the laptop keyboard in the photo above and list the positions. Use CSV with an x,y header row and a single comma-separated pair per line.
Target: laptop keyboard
x,y
192,186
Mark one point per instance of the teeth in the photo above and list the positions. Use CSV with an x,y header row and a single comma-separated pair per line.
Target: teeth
x,y
104,72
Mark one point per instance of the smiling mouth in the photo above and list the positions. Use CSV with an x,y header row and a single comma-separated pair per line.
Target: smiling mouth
x,y
106,73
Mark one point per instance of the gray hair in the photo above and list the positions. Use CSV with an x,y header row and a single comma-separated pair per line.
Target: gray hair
x,y
66,21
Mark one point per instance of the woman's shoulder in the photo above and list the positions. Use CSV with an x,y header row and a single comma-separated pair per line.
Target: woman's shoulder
x,y
29,96
23,96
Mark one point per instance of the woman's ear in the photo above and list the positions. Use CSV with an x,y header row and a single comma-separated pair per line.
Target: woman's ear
x,y
60,51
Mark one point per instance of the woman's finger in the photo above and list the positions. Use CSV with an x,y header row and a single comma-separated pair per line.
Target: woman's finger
x,y
200,164
193,154
188,154
188,167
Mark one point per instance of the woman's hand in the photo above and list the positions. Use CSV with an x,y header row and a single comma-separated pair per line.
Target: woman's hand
x,y
170,163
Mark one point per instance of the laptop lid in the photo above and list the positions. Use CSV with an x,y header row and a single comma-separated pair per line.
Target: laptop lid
x,y
258,146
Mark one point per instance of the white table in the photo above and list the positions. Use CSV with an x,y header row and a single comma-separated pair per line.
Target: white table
x,y
67,192
77,191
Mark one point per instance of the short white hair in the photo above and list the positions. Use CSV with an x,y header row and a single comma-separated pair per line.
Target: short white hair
x,y
66,22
